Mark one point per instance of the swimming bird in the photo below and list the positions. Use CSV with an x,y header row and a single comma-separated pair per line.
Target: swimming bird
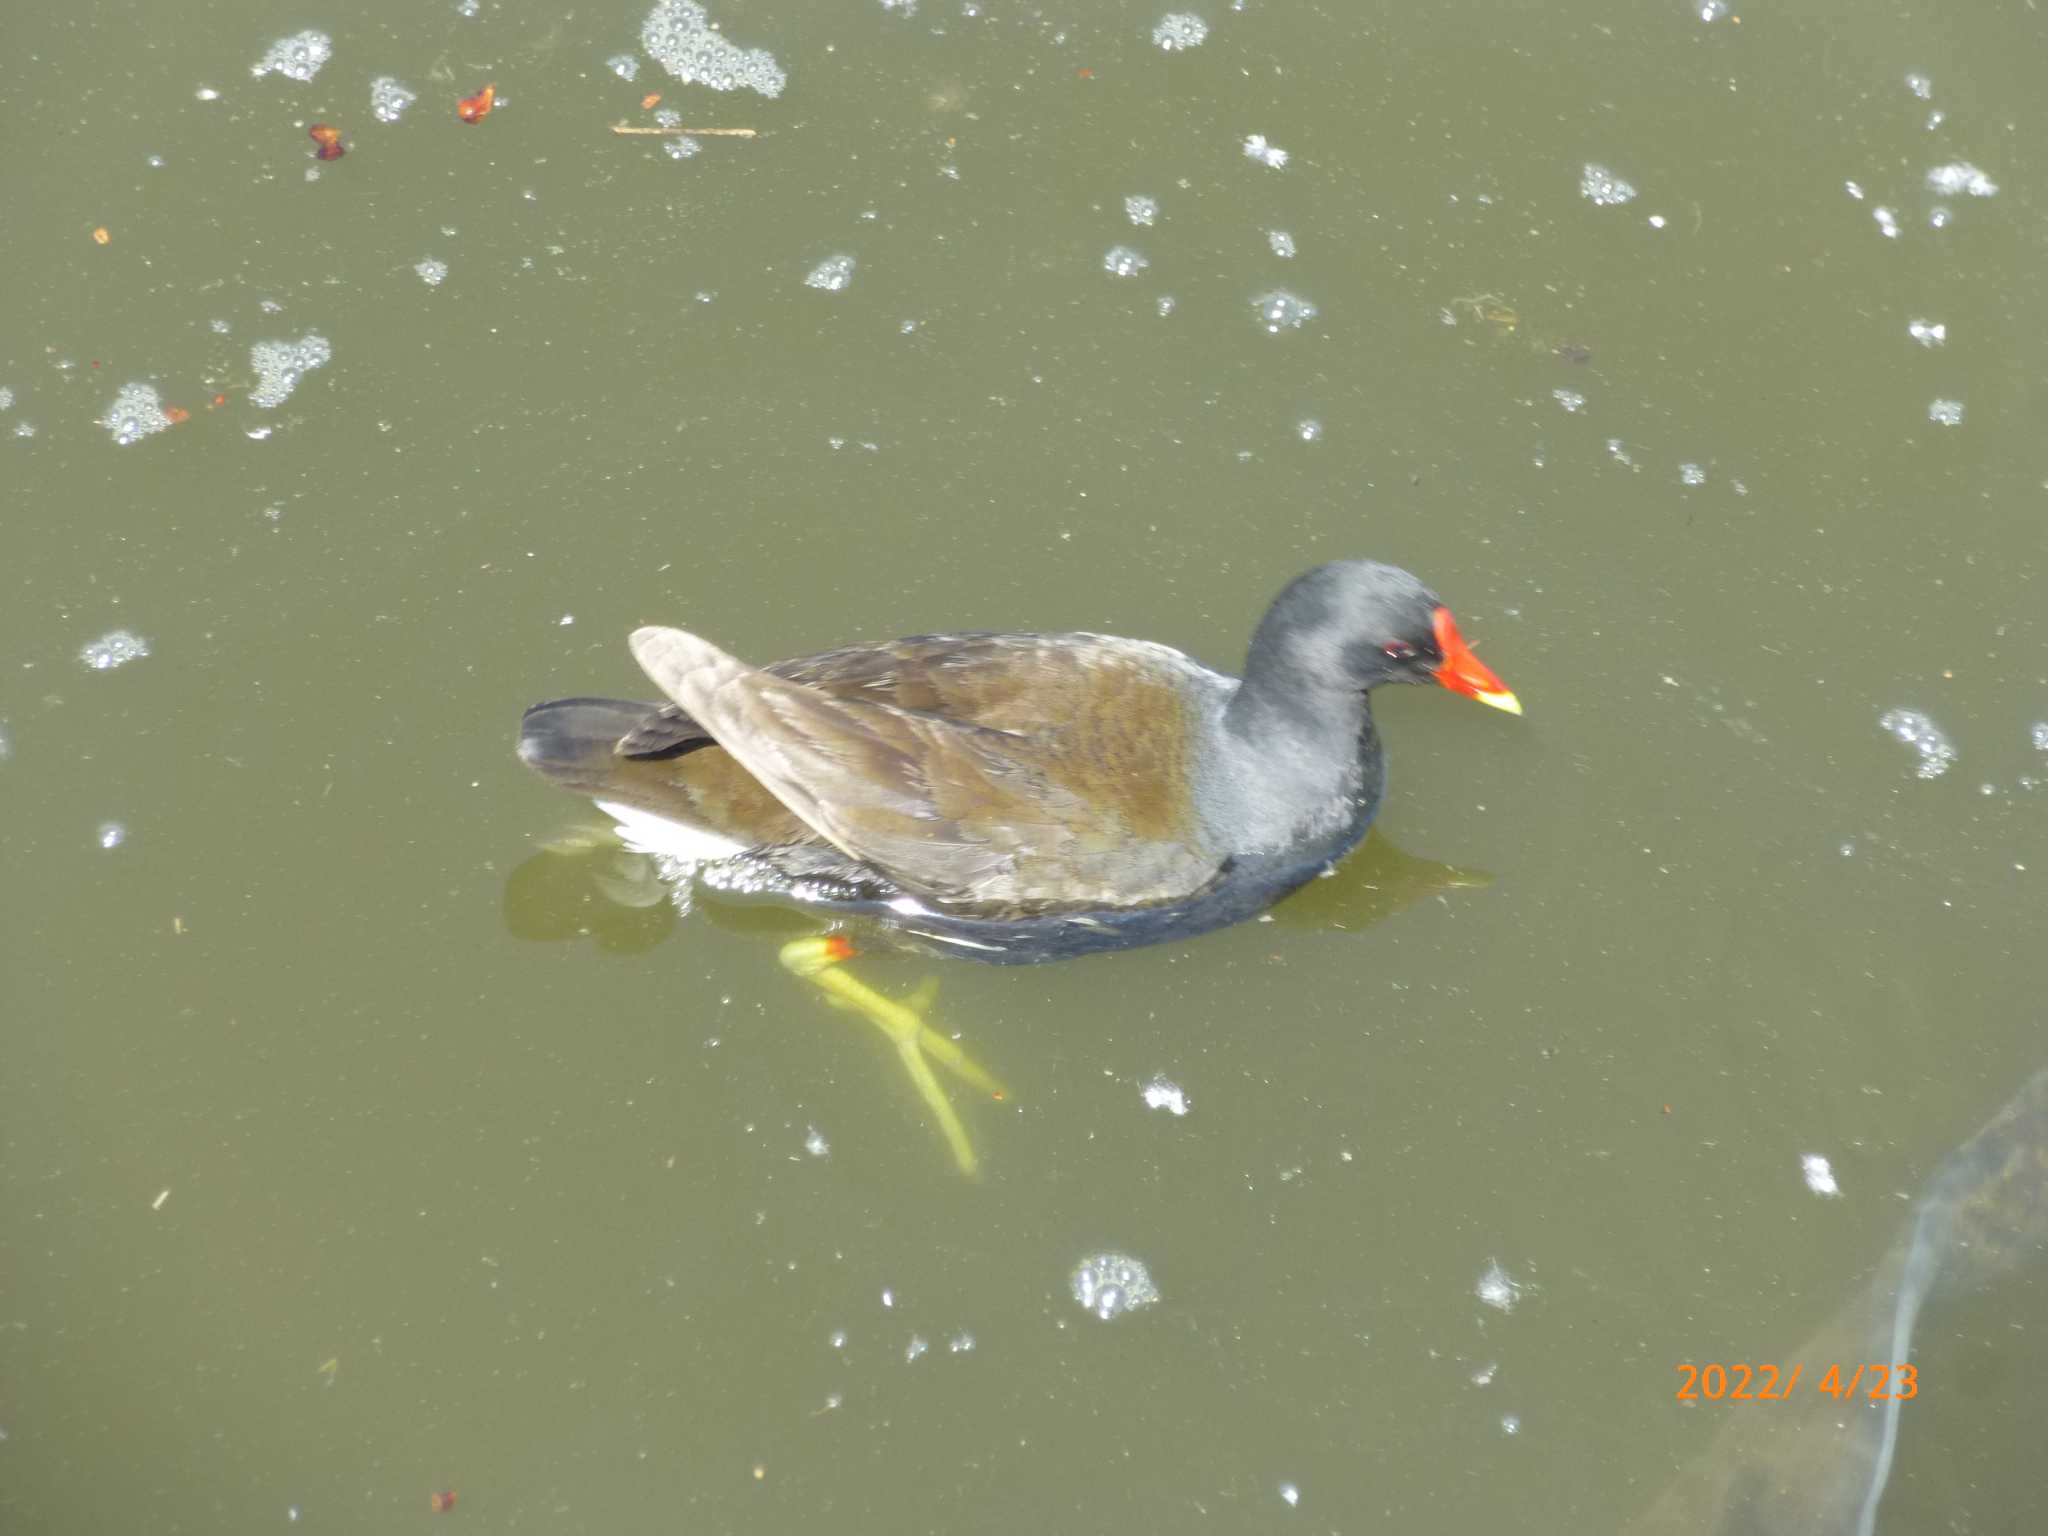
x,y
1017,797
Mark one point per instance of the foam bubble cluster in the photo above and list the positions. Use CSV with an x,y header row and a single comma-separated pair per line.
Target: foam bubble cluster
x,y
114,649
1258,147
389,99
1819,1175
1111,1284
298,57
1178,30
1570,399
1141,210
1280,243
679,37
1603,189
1929,333
1945,413
279,366
1123,261
682,147
831,275
431,272
137,412
1497,1288
1937,753
1948,180
1283,311
624,65
1163,1093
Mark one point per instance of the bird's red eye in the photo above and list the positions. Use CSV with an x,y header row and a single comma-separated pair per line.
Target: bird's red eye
x,y
1399,650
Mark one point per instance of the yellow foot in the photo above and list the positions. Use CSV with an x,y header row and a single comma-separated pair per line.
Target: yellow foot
x,y
817,960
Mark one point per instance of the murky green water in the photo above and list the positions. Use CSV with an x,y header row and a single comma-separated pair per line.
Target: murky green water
x,y
327,1183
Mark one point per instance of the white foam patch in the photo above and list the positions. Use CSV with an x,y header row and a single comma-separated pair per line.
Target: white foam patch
x,y
644,832
1820,1177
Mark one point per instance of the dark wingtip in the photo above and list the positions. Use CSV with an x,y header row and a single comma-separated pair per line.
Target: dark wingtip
x,y
570,741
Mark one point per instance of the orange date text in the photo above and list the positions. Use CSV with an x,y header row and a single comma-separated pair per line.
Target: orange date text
x,y
1715,1382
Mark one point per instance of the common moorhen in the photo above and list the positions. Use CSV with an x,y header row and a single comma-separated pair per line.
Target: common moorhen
x,y
1015,797
1019,797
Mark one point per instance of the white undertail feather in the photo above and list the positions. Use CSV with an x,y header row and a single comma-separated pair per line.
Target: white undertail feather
x,y
644,832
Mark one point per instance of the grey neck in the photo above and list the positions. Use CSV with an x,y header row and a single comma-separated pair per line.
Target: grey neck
x,y
1296,767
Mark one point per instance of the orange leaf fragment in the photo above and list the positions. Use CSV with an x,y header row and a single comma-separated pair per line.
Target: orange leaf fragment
x,y
650,101
329,140
441,1503
175,414
474,109
100,236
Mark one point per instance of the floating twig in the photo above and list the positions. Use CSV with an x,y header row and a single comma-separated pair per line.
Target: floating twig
x,y
709,133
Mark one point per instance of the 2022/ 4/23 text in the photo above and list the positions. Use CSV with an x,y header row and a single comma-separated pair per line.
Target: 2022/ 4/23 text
x,y
1766,1383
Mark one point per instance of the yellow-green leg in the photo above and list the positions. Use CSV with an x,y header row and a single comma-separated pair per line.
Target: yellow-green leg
x,y
817,960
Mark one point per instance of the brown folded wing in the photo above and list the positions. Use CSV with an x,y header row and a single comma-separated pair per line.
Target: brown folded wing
x,y
1002,772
